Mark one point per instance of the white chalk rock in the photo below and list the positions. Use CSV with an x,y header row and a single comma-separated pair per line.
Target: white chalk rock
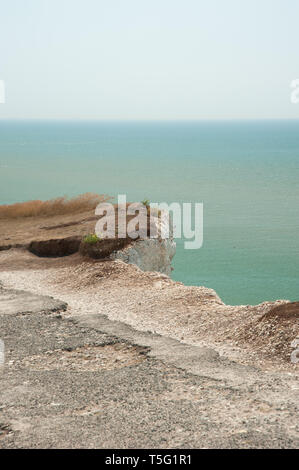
x,y
152,254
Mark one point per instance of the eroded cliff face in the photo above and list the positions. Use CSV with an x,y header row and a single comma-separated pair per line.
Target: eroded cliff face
x,y
152,254
61,236
149,255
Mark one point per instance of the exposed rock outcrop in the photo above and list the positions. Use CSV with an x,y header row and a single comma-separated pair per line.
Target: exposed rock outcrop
x,y
149,255
152,254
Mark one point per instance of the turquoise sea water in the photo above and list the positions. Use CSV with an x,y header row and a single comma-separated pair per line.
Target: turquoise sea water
x,y
245,173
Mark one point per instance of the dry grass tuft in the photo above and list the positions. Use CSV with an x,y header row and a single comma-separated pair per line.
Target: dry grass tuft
x,y
58,206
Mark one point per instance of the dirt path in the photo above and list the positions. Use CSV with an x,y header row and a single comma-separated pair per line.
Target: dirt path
x,y
87,376
251,335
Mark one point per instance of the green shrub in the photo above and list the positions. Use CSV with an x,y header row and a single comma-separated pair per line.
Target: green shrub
x,y
92,238
145,202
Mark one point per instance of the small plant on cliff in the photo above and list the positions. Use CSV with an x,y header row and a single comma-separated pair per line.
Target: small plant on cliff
x,y
145,202
151,210
91,239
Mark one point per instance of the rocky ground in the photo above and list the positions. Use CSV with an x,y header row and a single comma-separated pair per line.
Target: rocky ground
x,y
128,359
252,335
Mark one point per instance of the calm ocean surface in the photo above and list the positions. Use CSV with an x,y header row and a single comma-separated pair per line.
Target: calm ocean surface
x,y
246,174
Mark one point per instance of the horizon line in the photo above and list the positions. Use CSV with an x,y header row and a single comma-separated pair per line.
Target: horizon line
x,y
145,120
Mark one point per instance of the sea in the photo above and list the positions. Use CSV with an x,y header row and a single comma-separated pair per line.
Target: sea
x,y
246,174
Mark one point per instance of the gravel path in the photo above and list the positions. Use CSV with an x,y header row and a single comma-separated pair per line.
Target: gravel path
x,y
81,375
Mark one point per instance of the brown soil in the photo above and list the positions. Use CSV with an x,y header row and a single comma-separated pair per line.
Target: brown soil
x,y
283,312
103,248
23,231
55,247
58,235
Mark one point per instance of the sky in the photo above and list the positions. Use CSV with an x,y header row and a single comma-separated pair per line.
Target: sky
x,y
149,59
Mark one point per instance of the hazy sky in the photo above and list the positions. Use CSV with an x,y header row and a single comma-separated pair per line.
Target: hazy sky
x,y
149,59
